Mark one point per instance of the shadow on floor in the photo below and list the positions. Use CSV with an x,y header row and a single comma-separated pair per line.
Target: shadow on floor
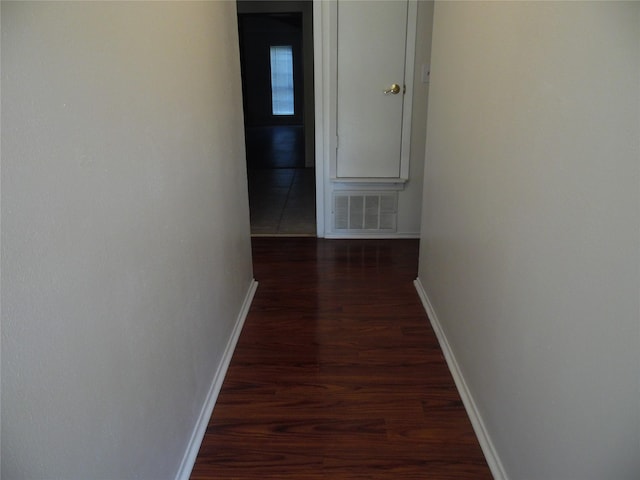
x,y
281,189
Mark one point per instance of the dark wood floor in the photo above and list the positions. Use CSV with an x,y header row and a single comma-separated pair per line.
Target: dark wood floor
x,y
337,373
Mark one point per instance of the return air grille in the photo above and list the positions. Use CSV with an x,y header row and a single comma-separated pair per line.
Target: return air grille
x,y
365,212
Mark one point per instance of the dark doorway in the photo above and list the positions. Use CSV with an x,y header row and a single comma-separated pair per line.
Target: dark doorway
x,y
274,51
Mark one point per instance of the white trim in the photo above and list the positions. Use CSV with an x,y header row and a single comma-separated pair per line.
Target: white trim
x,y
325,68
320,115
368,180
489,450
407,105
189,458
396,184
372,236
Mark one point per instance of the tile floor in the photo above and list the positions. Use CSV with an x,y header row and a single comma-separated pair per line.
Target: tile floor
x,y
282,201
281,189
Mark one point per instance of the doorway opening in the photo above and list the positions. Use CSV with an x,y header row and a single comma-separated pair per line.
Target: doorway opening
x,y
276,56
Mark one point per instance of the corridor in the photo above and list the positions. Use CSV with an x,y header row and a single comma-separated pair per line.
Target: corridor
x,y
337,373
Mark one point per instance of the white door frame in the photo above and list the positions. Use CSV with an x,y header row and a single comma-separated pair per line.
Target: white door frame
x,y
322,58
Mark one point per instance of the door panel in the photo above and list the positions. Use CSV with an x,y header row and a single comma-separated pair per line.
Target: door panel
x,y
371,57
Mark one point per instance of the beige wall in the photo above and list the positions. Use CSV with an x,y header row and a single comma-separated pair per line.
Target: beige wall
x,y
125,231
530,251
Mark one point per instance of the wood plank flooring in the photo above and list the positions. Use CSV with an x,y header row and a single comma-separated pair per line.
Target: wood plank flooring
x,y
337,373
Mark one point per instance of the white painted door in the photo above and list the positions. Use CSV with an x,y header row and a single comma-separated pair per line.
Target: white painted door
x,y
372,38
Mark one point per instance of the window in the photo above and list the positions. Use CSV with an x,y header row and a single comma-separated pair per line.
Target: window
x,y
282,80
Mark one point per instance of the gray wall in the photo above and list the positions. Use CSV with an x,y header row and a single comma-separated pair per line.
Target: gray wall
x,y
530,250
125,231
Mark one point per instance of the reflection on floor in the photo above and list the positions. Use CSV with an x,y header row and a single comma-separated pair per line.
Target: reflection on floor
x,y
281,189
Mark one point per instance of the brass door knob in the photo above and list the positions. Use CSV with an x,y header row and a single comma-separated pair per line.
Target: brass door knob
x,y
393,89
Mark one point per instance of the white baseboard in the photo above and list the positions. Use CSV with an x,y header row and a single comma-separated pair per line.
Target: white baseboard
x,y
189,458
490,453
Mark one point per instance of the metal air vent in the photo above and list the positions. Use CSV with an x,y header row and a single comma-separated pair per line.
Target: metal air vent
x,y
365,211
